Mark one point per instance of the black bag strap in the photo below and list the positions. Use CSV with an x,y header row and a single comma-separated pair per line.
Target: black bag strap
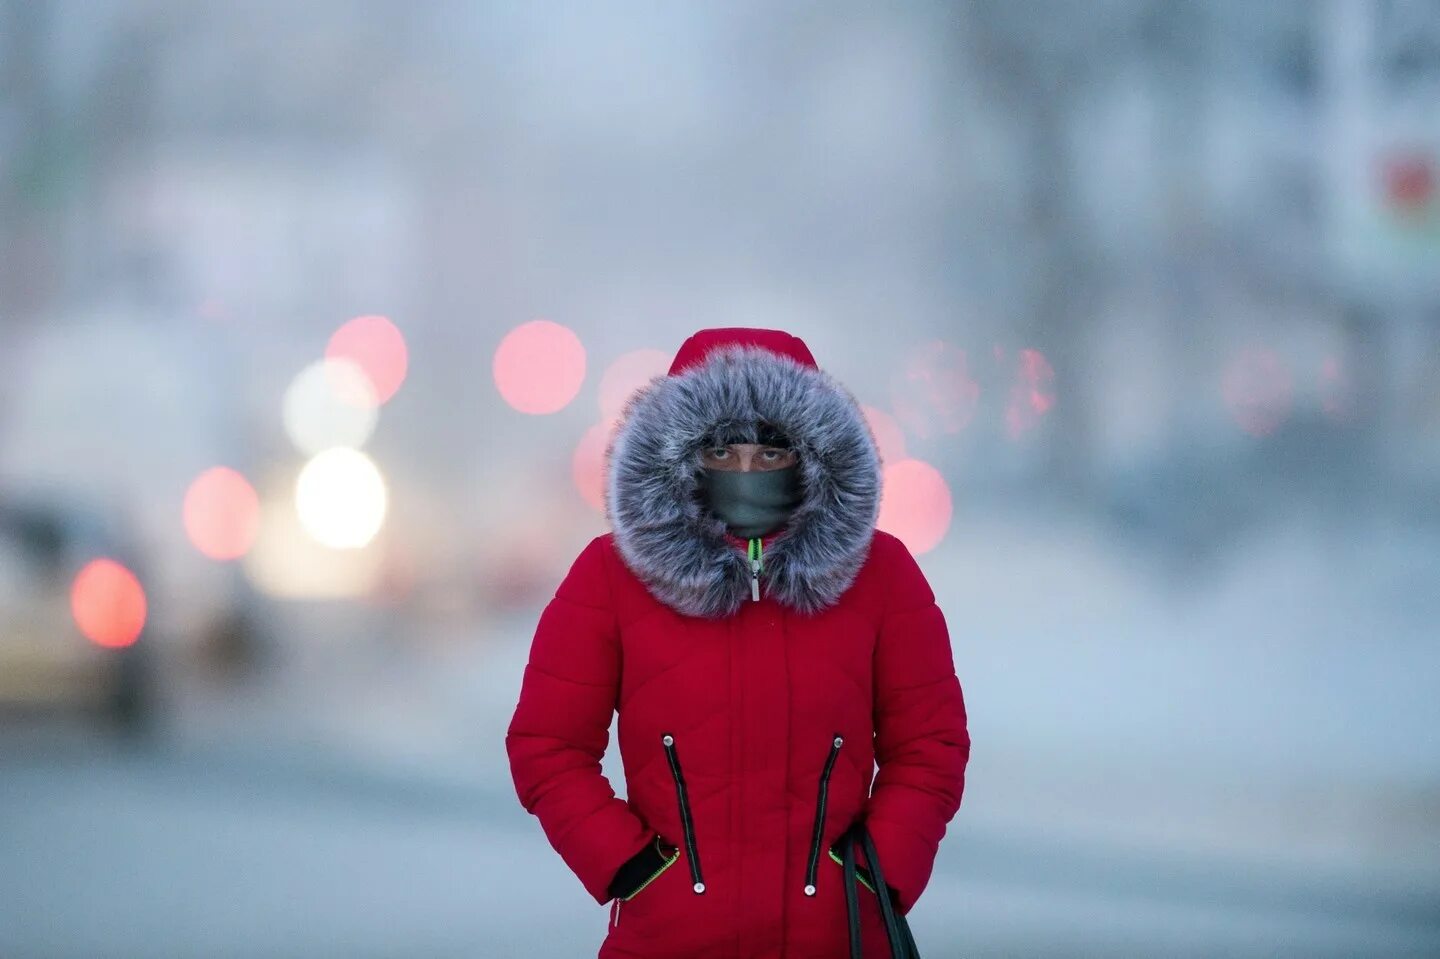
x,y
882,892
852,893
897,927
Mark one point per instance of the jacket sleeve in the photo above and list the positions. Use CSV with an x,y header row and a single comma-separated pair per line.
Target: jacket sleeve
x,y
922,744
561,727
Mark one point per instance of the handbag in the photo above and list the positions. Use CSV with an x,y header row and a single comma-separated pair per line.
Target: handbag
x,y
897,927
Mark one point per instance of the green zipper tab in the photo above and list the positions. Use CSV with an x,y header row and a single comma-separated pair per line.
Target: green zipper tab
x,y
757,563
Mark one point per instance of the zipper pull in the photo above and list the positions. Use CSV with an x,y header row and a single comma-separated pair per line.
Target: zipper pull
x,y
755,567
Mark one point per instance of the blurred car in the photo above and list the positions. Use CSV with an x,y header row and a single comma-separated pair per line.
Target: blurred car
x,y
72,616
1185,508
1192,502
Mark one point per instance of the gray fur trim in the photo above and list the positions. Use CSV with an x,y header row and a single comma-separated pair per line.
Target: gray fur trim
x,y
677,548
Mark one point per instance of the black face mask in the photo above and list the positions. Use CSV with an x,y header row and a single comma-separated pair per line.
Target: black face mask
x,y
754,502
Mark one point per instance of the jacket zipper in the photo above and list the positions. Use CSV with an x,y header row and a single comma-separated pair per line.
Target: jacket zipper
x,y
818,834
692,853
756,552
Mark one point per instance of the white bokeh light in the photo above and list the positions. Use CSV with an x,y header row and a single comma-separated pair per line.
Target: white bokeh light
x,y
330,403
340,498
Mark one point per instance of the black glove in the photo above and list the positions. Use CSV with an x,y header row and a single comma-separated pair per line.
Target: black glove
x,y
868,881
640,868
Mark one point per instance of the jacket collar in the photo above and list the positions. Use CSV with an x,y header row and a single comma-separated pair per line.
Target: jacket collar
x,y
740,542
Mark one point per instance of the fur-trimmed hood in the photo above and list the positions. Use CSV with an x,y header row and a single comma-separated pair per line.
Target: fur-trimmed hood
x,y
724,383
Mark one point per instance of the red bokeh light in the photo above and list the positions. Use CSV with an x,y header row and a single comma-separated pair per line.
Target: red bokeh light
x,y
1258,390
212,309
375,345
1409,182
587,464
915,504
1337,392
398,577
221,513
889,437
1032,394
625,375
108,604
934,392
539,367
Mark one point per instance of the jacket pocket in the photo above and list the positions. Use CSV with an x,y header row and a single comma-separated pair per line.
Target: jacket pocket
x,y
692,851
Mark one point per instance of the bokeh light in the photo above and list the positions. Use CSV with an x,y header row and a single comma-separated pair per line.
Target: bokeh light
x,y
1032,393
539,366
213,309
587,464
626,374
1336,390
221,513
915,504
934,392
287,562
1257,389
341,499
1408,182
108,603
375,345
332,402
889,437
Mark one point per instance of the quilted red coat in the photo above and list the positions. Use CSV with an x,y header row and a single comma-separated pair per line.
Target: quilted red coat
x,y
749,729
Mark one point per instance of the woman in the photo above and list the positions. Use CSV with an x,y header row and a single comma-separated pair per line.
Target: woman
x,y
765,647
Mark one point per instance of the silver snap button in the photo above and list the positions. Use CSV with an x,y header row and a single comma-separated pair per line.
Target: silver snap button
x,y
809,890
839,741
669,740
699,888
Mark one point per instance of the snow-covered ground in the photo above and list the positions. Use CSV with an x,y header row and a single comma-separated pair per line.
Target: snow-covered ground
x,y
220,852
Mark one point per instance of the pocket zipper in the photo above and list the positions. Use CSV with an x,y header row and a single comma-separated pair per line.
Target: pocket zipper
x,y
818,834
692,853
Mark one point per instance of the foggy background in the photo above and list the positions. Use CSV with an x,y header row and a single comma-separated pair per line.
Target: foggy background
x,y
314,318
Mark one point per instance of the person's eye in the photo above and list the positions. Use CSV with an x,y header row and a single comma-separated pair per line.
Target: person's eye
x,y
719,452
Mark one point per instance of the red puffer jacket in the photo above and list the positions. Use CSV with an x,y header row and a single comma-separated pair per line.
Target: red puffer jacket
x,y
749,730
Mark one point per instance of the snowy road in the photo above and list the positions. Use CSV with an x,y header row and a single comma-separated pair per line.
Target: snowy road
x,y
1250,773
228,851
